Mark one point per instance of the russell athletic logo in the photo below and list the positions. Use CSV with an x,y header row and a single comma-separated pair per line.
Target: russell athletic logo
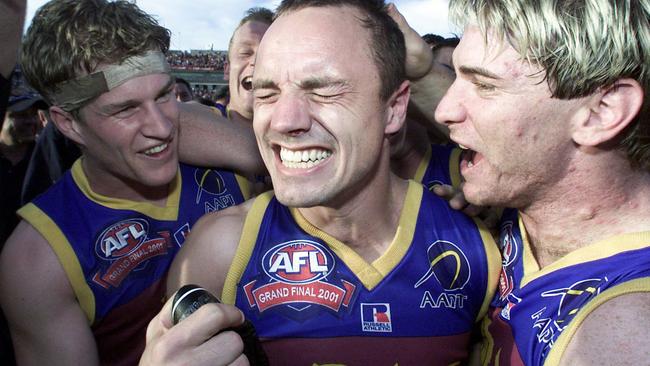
x,y
376,318
126,245
298,272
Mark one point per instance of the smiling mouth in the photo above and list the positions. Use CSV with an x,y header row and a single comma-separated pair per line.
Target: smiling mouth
x,y
156,149
303,159
247,83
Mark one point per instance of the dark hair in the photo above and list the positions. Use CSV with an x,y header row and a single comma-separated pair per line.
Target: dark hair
x,y
386,39
184,82
441,42
71,37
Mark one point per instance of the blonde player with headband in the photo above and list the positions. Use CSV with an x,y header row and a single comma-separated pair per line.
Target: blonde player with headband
x,y
84,272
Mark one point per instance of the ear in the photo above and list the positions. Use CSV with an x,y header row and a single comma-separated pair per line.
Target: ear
x,y
42,118
608,112
397,106
67,124
226,70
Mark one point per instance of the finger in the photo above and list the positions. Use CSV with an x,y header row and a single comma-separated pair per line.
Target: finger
x,y
445,191
161,322
208,320
224,348
474,211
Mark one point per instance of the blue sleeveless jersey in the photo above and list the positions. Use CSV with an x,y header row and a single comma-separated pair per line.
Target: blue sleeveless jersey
x,y
440,165
116,253
536,312
314,301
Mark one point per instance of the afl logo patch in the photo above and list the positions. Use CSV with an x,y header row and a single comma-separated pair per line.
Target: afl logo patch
x,y
121,239
298,262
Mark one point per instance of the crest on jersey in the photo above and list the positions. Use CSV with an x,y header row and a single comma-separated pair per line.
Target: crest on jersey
x,y
299,275
126,245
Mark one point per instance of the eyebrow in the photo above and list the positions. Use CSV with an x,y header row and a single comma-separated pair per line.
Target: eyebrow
x,y
307,84
111,108
472,70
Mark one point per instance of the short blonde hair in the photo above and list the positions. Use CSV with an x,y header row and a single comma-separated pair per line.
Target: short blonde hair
x,y
582,45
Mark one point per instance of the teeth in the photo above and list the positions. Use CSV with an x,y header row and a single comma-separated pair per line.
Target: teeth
x,y
470,164
304,159
156,149
463,147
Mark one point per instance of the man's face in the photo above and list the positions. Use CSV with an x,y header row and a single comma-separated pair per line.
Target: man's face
x,y
319,119
130,133
239,68
501,109
183,93
22,126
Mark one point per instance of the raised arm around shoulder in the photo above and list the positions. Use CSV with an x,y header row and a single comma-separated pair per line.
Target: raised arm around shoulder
x,y
615,333
208,251
210,140
47,324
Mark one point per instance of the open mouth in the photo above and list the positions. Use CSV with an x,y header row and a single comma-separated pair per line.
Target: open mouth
x,y
468,156
303,159
247,83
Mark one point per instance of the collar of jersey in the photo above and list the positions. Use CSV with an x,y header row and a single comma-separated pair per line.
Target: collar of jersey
x,y
168,212
371,274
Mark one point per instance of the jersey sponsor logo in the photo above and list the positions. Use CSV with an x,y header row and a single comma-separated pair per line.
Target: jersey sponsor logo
x,y
448,264
376,318
298,271
126,245
212,183
509,253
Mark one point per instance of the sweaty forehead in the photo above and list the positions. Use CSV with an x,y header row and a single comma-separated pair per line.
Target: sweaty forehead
x,y
331,37
495,55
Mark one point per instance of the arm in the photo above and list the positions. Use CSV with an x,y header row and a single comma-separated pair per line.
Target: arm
x,y
615,333
208,251
429,81
207,139
47,324
204,260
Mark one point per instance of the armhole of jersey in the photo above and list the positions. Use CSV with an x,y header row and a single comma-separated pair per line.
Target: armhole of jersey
x,y
244,186
454,167
487,342
560,346
67,257
424,164
493,261
245,248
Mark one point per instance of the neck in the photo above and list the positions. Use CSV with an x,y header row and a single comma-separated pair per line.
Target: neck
x,y
367,222
407,155
605,201
109,185
235,116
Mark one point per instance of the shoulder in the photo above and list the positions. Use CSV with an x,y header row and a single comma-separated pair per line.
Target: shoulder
x,y
616,332
30,268
209,249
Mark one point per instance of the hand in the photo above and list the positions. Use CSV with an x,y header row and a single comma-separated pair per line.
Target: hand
x,y
489,216
419,57
197,340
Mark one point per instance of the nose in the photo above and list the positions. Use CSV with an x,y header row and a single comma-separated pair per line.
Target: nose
x,y
159,121
450,109
291,115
